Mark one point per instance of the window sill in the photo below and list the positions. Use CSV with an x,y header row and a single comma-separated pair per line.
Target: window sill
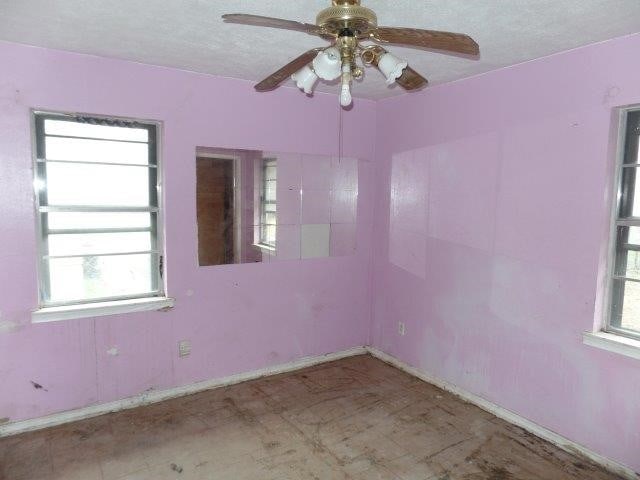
x,y
613,343
262,246
100,309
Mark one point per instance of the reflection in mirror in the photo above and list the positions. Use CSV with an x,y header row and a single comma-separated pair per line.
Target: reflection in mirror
x,y
268,179
264,207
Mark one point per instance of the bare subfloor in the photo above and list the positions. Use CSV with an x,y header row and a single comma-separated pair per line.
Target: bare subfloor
x,y
356,418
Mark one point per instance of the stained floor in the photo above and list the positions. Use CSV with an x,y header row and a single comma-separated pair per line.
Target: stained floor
x,y
356,418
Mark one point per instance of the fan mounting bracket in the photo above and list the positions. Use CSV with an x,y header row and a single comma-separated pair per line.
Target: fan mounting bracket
x,y
347,15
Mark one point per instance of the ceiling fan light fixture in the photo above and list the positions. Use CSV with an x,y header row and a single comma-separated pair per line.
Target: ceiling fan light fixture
x,y
391,67
328,64
347,24
305,79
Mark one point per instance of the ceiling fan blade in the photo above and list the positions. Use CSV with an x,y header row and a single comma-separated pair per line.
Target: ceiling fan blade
x,y
260,21
415,37
275,79
411,80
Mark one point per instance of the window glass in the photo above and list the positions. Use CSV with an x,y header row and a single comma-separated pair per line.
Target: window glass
x,y
97,185
77,129
79,279
99,220
96,151
99,243
631,193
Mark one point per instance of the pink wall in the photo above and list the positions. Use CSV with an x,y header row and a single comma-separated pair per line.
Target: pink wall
x,y
489,244
238,317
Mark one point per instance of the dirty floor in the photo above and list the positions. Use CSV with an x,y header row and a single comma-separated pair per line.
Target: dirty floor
x,y
356,418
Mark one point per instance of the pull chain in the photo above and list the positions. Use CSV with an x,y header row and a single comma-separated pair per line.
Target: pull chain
x,y
340,135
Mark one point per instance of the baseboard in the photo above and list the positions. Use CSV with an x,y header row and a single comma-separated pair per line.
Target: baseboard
x,y
509,416
161,395
148,398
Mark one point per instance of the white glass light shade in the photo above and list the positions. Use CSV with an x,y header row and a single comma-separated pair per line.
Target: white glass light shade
x,y
327,64
305,79
345,96
391,67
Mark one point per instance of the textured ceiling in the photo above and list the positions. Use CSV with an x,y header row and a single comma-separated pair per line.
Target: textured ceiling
x,y
189,34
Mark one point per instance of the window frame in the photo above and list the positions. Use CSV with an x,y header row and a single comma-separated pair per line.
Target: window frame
x,y
620,203
92,307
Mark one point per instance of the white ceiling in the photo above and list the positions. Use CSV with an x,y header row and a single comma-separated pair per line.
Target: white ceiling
x,y
189,34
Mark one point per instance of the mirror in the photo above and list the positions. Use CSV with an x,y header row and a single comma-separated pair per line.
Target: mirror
x,y
257,206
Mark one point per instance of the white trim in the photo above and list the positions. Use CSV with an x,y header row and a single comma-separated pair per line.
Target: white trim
x,y
216,156
159,396
611,342
511,417
263,246
100,309
150,397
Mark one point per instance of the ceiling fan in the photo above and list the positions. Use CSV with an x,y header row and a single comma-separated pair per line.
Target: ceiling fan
x,y
346,24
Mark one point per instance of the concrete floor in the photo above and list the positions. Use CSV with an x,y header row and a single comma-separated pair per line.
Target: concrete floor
x,y
356,418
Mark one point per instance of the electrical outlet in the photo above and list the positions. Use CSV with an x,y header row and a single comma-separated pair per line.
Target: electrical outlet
x,y
184,348
113,351
402,330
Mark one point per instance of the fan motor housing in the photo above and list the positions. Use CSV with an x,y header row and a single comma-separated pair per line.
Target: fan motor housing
x,y
347,14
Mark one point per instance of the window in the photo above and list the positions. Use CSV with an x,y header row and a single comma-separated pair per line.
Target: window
x,y
268,213
96,185
624,318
